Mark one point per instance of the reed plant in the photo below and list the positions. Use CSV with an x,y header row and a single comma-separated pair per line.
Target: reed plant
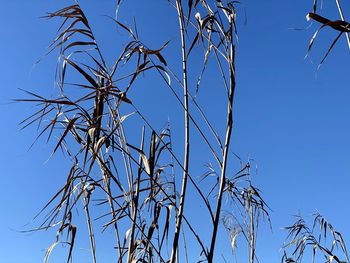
x,y
138,185
318,242
124,169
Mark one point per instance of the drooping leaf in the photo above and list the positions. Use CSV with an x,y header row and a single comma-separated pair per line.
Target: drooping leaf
x,y
83,73
68,128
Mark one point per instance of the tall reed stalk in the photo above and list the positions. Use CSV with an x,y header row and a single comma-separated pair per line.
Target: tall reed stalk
x,y
187,133
136,184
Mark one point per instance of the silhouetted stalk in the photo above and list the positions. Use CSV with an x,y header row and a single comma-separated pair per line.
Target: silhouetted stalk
x,y
106,181
196,125
99,109
180,165
252,228
127,163
229,125
187,135
86,199
135,204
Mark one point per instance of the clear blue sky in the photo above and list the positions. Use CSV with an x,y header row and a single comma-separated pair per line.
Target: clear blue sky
x,y
292,119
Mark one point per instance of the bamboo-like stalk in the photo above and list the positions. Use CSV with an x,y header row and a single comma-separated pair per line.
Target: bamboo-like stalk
x,y
229,125
128,169
252,228
187,135
90,228
111,205
99,108
135,204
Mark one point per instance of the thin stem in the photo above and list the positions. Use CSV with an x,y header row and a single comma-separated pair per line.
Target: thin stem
x,y
89,224
187,134
135,205
252,229
227,146
110,201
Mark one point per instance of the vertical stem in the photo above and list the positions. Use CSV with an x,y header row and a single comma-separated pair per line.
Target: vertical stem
x,y
90,228
227,146
187,134
252,229
135,204
99,108
106,181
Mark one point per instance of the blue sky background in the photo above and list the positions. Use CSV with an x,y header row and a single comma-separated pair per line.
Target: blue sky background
x,y
289,117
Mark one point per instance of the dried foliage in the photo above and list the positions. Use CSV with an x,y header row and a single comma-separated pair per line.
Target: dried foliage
x,y
341,26
319,241
140,196
136,185
134,188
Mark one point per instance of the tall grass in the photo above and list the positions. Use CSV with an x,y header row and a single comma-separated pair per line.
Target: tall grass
x,y
146,201
133,174
319,242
